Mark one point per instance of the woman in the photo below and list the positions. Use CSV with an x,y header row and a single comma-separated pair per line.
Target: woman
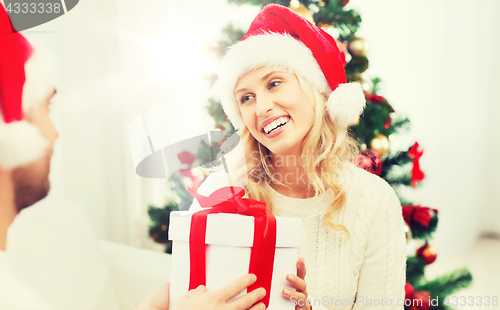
x,y
283,86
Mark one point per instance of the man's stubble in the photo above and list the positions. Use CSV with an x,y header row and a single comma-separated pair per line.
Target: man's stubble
x,y
31,183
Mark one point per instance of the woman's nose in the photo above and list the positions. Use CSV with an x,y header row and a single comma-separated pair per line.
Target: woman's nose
x,y
264,105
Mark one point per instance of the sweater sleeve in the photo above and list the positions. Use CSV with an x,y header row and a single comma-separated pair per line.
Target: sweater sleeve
x,y
383,271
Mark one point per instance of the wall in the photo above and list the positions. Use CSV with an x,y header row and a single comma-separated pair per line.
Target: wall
x,y
438,65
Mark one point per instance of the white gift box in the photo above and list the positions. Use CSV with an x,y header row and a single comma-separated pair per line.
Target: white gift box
x,y
229,239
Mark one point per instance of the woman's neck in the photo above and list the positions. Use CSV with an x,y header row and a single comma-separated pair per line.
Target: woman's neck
x,y
8,209
288,170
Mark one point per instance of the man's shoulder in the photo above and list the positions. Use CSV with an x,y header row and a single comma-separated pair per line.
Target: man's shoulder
x,y
16,295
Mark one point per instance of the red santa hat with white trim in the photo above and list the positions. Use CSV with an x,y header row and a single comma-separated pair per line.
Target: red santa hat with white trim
x,y
21,142
280,37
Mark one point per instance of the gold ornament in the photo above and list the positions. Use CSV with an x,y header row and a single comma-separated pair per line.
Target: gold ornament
x,y
408,233
380,145
358,47
301,10
367,85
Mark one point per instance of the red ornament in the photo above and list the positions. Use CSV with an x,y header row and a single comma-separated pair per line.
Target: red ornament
x,y
388,123
417,175
428,253
409,291
376,99
421,300
343,2
186,158
369,161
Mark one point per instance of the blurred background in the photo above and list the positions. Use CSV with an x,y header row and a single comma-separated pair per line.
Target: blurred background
x,y
115,59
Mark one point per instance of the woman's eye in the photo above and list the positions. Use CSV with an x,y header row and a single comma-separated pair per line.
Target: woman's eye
x,y
245,98
273,84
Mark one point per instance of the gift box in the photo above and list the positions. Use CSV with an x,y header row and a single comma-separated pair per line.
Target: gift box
x,y
229,239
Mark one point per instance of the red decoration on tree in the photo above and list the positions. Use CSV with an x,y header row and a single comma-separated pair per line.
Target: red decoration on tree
x,y
421,215
343,2
409,291
186,158
378,100
421,300
388,123
369,161
428,253
417,175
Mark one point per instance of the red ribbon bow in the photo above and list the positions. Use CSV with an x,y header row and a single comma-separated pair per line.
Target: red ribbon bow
x,y
417,175
421,215
230,200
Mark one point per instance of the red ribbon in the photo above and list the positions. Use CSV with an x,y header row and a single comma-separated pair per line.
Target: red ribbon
x,y
417,175
230,200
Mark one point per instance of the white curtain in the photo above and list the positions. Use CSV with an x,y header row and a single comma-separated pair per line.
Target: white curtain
x,y
118,58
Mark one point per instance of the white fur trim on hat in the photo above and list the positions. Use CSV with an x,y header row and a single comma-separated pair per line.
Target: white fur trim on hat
x,y
344,104
21,143
271,49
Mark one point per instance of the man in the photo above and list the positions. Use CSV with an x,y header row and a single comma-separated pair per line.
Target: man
x,y
27,137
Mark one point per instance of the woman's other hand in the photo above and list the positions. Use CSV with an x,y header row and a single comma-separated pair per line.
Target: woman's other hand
x,y
299,296
200,299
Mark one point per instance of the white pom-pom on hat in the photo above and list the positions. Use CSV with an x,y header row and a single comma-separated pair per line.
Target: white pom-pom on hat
x,y
346,103
21,143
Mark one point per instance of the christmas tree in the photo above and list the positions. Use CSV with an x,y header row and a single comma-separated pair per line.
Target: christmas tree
x,y
374,130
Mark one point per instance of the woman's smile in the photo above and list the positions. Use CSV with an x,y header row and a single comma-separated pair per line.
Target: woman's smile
x,y
274,109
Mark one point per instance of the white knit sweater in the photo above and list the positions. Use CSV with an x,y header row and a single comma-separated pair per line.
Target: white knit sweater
x,y
370,266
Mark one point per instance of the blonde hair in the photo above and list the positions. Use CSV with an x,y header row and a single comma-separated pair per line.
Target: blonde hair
x,y
326,149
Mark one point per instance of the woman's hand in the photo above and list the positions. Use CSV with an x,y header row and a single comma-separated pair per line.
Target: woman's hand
x,y
299,296
200,299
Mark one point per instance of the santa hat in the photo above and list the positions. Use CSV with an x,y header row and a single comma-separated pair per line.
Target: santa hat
x,y
20,141
280,37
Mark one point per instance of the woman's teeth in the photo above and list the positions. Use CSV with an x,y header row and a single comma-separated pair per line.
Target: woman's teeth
x,y
276,124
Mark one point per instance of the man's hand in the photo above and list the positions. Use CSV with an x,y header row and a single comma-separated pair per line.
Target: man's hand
x,y
200,299
158,300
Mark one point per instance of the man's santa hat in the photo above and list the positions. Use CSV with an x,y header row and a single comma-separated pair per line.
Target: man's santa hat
x,y
20,141
280,37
